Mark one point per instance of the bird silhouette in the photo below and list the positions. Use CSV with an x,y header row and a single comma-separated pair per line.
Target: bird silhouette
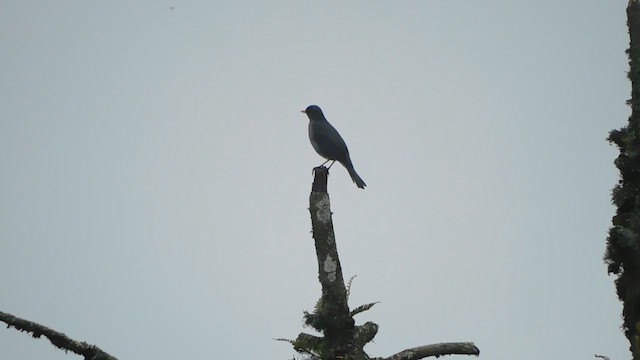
x,y
328,143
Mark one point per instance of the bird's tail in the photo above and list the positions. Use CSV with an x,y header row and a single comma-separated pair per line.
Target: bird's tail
x,y
354,175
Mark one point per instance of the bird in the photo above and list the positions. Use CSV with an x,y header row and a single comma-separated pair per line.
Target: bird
x,y
328,143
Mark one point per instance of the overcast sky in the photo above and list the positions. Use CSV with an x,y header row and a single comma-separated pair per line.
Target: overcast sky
x,y
156,171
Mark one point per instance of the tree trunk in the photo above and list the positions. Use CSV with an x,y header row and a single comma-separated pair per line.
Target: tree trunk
x,y
623,244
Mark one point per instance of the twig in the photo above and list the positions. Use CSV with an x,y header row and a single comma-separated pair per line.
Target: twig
x,y
460,348
58,339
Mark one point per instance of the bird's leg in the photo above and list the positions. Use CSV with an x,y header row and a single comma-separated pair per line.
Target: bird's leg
x,y
332,162
325,163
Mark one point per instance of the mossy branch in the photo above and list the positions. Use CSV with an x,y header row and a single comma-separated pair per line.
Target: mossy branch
x,y
331,316
58,339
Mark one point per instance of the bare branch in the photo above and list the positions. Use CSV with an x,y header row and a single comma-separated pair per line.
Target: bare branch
x,y
602,357
460,348
341,338
58,339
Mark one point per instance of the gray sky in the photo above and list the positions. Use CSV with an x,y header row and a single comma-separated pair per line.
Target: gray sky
x,y
156,172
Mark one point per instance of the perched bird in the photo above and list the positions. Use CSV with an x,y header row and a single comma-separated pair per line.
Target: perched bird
x,y
328,143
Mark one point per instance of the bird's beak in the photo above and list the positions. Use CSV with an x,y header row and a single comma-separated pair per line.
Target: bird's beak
x,y
304,111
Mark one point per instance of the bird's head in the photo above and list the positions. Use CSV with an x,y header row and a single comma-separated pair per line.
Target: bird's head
x,y
313,112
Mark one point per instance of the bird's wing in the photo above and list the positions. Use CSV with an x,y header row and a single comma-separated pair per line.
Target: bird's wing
x,y
327,141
